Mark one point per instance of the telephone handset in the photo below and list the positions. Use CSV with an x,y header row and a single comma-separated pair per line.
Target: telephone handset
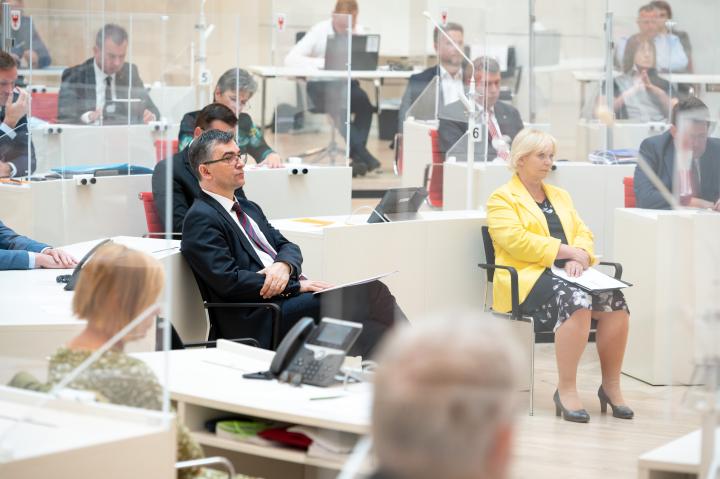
x,y
312,354
72,279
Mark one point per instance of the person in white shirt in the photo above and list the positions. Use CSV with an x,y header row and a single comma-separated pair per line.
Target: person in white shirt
x,y
449,70
670,54
330,96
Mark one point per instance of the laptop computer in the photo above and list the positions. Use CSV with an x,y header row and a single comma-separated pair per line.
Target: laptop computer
x,y
398,204
115,112
364,55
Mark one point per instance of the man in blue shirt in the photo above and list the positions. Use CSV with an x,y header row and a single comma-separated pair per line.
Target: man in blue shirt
x,y
20,252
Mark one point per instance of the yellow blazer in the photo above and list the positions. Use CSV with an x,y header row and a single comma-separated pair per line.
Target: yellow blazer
x,y
522,239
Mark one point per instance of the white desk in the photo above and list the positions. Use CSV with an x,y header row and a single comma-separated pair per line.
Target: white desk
x,y
671,258
692,78
678,459
36,314
269,71
69,145
596,191
208,384
324,190
66,439
417,151
436,256
61,212
591,135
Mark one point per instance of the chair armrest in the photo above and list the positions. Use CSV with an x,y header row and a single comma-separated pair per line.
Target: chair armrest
x,y
617,266
514,287
274,311
206,461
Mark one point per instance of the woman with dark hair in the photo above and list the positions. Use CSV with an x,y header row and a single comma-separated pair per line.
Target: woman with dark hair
x,y
640,93
234,89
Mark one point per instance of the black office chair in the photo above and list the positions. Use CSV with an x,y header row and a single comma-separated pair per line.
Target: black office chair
x,y
177,343
275,313
515,314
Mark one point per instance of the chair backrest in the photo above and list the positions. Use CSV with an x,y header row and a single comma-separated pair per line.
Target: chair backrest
x,y
435,186
152,218
161,148
629,183
45,106
398,166
489,252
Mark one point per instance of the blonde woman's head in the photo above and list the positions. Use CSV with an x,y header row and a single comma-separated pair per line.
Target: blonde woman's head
x,y
116,285
530,143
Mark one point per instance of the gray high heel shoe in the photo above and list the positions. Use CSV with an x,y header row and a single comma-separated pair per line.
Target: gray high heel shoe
x,y
579,415
622,412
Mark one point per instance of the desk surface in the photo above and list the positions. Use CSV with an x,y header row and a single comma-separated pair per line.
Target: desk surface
x,y
269,71
213,378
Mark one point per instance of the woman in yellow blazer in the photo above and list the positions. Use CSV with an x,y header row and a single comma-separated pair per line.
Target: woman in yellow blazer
x,y
534,225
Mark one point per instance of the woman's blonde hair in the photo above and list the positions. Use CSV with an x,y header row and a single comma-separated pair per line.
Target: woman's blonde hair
x,y
530,141
116,285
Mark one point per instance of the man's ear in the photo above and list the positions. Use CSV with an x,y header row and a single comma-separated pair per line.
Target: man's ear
x,y
197,132
673,130
204,172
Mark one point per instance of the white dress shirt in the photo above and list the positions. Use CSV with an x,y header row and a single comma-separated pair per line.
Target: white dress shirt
x,y
452,85
227,204
99,91
310,50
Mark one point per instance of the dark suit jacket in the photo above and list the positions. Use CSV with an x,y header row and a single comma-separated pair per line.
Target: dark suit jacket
x,y
659,152
451,130
77,90
226,265
185,188
416,85
15,150
14,249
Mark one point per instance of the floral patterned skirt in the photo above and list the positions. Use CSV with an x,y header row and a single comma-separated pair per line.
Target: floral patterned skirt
x,y
553,300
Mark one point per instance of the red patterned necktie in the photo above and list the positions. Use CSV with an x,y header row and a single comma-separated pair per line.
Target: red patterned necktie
x,y
252,234
495,135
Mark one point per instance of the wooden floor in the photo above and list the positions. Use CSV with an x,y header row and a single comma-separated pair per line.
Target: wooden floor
x,y
606,447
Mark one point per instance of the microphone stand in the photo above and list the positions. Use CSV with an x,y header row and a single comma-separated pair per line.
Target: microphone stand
x,y
469,103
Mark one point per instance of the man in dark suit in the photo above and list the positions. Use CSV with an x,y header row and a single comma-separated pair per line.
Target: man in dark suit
x,y
697,184
504,120
185,185
448,70
237,256
17,154
21,252
89,91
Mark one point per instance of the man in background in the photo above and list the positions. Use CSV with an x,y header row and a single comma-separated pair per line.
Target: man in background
x,y
100,89
445,400
504,120
448,71
696,183
330,96
17,154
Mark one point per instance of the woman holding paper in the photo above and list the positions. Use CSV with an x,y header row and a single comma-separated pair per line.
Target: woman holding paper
x,y
534,226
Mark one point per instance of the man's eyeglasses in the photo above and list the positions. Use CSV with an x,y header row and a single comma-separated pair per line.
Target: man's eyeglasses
x,y
230,159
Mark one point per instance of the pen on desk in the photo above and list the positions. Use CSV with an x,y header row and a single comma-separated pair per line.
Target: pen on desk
x,y
320,398
165,249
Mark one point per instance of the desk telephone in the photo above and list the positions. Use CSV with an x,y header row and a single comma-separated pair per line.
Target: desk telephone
x,y
312,354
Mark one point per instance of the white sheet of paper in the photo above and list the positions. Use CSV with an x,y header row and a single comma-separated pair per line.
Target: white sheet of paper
x,y
355,283
591,279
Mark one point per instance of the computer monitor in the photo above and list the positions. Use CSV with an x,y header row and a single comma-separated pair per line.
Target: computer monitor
x,y
398,204
365,51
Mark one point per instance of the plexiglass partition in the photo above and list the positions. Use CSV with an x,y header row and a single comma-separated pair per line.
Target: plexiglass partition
x,y
312,112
